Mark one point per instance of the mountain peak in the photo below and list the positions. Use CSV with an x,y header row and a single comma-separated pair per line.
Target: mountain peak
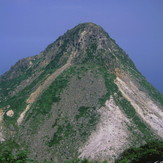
x,y
88,25
93,44
87,40
90,28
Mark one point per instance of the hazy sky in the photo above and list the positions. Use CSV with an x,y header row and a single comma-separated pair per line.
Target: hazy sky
x,y
28,26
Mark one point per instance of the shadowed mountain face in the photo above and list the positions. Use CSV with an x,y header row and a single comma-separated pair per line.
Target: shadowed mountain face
x,y
81,97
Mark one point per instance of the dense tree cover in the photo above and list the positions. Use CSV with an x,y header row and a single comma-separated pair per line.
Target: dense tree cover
x,y
8,157
148,153
11,152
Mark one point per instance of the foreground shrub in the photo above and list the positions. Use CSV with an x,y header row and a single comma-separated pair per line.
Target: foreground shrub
x,y
150,152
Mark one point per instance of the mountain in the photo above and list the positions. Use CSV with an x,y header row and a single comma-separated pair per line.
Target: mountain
x,y
82,97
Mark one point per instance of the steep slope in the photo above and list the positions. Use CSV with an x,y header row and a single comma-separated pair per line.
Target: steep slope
x,y
81,97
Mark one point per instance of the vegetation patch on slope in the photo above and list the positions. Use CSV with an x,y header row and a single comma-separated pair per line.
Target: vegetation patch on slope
x,y
150,152
52,95
109,83
83,121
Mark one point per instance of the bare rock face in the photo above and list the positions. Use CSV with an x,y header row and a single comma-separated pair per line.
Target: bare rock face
x,y
80,97
111,135
1,132
10,113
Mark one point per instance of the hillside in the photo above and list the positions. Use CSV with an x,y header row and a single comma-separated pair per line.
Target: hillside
x,y
82,97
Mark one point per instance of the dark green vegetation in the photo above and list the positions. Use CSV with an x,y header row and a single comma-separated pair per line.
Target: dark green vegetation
x,y
150,152
8,157
109,83
11,152
84,112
